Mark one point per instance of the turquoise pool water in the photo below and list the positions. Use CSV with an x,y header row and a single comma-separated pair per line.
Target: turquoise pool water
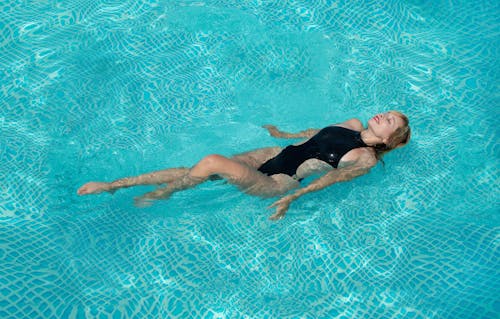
x,y
101,89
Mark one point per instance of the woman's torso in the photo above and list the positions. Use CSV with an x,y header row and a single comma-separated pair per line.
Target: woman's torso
x,y
328,146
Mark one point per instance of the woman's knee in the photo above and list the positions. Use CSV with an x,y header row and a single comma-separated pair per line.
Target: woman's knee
x,y
213,159
210,164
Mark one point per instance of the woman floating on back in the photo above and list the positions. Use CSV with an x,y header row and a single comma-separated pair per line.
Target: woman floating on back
x,y
342,151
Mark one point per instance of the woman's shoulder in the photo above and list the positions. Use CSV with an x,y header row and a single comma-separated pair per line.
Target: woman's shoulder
x,y
353,124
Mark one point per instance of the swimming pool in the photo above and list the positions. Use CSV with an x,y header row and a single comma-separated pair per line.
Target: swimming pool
x,y
100,89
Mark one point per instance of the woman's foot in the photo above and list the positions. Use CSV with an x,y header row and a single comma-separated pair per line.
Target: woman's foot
x,y
142,201
94,188
147,199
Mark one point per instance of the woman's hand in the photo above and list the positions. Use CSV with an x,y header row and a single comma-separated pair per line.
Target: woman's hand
x,y
281,207
94,188
273,130
148,199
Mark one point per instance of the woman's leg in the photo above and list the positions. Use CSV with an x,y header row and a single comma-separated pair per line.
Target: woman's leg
x,y
245,177
177,176
257,157
157,177
254,158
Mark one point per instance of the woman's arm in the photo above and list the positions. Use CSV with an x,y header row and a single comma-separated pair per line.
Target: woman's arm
x,y
353,124
358,168
275,132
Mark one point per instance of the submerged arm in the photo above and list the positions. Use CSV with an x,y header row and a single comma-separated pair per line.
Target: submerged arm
x,y
361,167
275,132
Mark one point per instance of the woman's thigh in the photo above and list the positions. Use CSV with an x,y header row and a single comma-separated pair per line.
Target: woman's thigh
x,y
256,183
253,182
245,177
257,157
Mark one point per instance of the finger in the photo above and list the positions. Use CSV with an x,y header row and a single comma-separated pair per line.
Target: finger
x,y
276,216
275,204
272,205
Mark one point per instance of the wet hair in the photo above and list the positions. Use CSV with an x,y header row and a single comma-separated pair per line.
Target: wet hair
x,y
399,138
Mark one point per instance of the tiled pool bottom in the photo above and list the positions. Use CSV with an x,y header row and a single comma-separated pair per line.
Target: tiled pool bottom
x,y
123,265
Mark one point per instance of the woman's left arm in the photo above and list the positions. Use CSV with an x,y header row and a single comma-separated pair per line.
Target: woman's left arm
x,y
358,168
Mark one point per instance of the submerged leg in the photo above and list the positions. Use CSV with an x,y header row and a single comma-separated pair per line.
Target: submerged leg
x,y
184,182
157,177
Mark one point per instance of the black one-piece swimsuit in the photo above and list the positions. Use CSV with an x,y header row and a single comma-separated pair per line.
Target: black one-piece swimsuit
x,y
328,145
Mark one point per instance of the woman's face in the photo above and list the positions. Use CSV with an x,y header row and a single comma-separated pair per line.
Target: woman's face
x,y
383,125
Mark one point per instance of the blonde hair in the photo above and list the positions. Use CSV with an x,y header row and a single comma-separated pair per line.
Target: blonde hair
x,y
399,138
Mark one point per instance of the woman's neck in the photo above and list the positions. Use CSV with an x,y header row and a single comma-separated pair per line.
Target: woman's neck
x,y
369,138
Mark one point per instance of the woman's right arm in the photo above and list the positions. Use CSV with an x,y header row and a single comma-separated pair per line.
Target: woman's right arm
x,y
361,166
275,132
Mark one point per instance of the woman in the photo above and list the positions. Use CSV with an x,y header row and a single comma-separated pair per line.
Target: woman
x,y
342,151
